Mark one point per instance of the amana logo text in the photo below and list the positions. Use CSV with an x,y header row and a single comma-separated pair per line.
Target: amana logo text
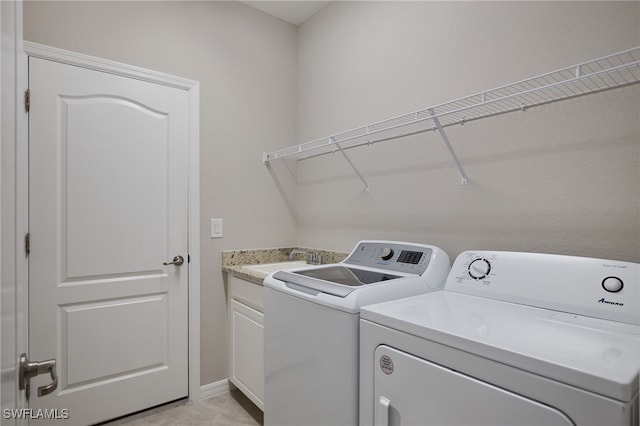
x,y
609,302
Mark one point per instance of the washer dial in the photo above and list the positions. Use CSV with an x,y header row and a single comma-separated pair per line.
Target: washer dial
x,y
479,268
612,284
387,253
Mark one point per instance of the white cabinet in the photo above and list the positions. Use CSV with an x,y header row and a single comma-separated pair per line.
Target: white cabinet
x,y
246,338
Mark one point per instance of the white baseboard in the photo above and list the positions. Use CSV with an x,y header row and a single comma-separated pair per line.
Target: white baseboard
x,y
212,389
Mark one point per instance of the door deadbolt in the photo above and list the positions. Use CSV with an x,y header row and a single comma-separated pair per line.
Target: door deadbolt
x,y
178,260
27,370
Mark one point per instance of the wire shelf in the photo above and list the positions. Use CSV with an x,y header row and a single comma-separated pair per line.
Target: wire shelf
x,y
609,72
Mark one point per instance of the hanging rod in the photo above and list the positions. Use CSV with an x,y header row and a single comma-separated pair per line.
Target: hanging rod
x,y
605,73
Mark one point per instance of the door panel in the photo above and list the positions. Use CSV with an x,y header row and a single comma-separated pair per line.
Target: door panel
x,y
136,140
94,357
108,205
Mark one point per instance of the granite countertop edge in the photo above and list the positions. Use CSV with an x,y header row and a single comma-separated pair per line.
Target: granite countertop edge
x,y
234,260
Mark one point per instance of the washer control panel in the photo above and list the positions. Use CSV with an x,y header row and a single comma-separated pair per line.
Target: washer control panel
x,y
600,288
409,258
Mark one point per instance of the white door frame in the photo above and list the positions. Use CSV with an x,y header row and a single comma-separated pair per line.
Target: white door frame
x,y
193,89
14,194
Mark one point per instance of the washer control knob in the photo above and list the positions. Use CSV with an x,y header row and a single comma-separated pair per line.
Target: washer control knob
x,y
479,268
387,253
612,284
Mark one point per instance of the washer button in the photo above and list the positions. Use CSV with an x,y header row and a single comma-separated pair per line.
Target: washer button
x,y
612,284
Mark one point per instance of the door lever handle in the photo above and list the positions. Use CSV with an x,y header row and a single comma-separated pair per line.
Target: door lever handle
x,y
27,370
178,260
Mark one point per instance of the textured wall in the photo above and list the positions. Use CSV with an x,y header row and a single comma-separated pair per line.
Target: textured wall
x,y
562,178
245,63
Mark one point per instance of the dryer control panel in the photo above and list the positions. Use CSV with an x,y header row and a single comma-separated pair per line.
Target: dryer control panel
x,y
600,288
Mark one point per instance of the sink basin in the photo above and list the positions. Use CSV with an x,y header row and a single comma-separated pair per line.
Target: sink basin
x,y
267,268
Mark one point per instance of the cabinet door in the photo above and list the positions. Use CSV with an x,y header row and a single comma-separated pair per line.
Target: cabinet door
x,y
247,351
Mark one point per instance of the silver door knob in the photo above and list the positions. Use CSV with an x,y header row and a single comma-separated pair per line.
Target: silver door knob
x,y
178,260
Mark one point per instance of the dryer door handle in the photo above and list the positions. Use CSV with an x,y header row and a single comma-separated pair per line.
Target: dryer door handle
x,y
382,412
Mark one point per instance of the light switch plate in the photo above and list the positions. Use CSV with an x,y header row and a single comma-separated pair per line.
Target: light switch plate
x,y
216,228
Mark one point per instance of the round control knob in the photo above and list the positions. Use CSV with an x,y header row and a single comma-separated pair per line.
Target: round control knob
x,y
479,268
612,284
387,253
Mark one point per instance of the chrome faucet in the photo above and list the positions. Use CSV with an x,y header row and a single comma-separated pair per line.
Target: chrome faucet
x,y
313,258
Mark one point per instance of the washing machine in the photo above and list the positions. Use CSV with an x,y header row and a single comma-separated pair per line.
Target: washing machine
x,y
512,339
311,326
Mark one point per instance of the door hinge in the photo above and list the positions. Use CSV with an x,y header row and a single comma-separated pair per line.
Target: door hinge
x,y
27,244
27,100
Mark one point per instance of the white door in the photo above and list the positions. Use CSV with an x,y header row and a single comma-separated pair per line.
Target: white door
x,y
108,194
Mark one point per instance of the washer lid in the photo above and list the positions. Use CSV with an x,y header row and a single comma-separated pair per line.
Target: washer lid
x,y
596,355
348,276
336,280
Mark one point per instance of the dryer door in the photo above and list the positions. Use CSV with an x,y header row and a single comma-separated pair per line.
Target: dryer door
x,y
411,391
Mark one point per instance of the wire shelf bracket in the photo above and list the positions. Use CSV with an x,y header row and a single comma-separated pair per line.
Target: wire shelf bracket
x,y
617,70
355,169
464,180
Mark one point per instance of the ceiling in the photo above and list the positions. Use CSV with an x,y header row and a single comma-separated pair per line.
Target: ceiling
x,y
294,12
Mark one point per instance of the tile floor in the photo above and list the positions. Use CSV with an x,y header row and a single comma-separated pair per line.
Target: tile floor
x,y
229,408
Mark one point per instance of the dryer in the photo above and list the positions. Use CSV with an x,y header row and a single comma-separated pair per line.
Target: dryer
x,y
512,339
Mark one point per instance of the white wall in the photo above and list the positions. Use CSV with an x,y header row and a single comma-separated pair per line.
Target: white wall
x,y
562,178
245,63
